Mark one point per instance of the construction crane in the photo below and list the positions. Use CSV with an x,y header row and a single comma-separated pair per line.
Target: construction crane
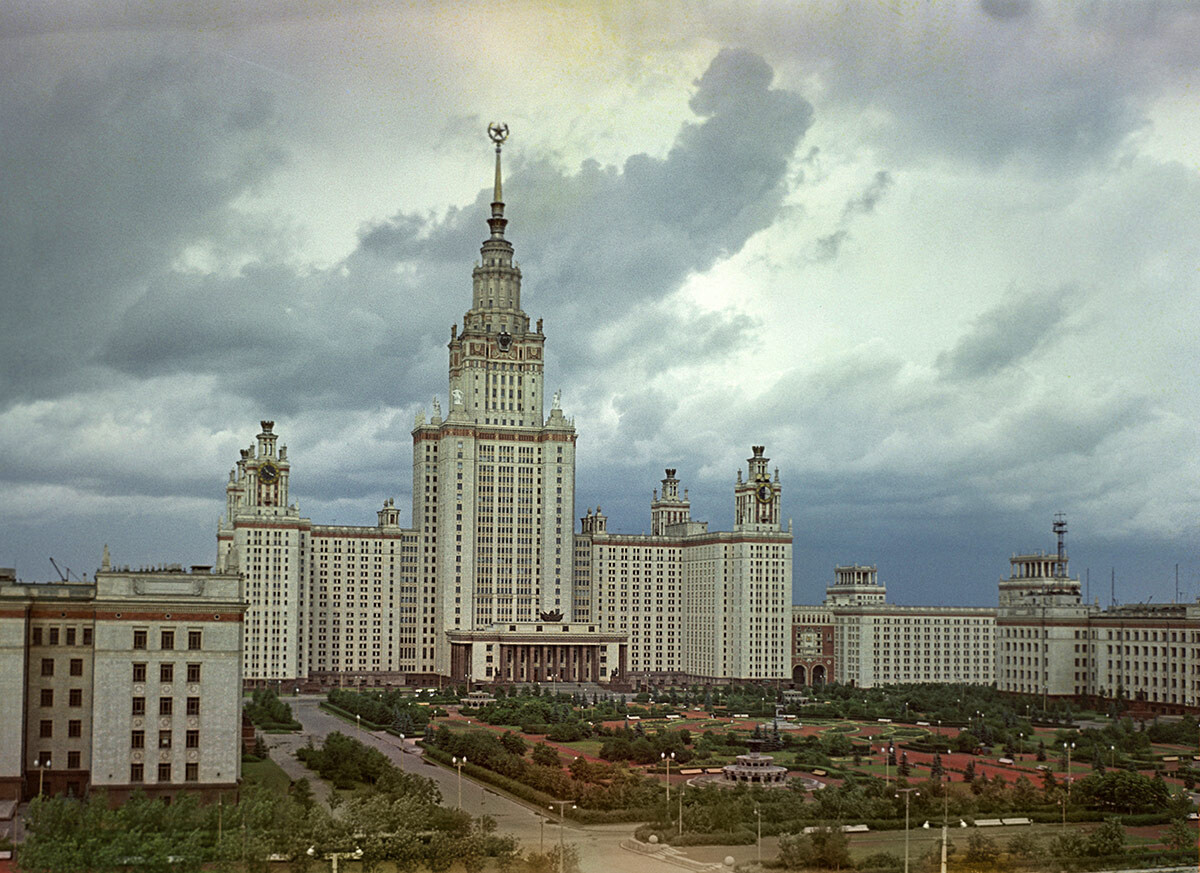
x,y
62,576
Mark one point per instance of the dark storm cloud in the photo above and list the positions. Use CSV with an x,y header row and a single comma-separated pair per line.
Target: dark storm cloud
x,y
105,180
1057,89
1004,335
601,241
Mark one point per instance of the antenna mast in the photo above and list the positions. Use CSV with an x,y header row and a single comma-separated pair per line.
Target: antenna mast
x,y
1060,529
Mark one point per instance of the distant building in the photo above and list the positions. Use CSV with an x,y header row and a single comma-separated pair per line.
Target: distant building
x,y
131,682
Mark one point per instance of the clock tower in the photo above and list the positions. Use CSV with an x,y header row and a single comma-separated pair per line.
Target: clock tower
x,y
494,478
757,497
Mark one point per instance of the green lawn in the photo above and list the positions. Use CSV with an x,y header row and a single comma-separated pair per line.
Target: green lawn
x,y
268,774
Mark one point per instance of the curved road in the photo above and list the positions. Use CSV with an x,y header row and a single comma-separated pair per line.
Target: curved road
x,y
599,845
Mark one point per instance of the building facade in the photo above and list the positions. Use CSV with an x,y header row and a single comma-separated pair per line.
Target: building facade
x,y
132,682
698,606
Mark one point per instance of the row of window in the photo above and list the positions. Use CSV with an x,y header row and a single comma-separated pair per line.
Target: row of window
x,y
166,639
166,706
166,672
53,635
191,772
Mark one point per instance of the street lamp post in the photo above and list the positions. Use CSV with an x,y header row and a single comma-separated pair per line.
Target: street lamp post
x,y
358,721
562,806
458,762
758,822
401,752
42,766
1068,748
906,792
668,758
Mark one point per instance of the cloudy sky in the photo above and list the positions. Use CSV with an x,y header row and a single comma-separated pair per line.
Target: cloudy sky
x,y
941,259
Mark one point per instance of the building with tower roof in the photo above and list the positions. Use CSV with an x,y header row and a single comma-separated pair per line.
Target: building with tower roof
x,y
490,583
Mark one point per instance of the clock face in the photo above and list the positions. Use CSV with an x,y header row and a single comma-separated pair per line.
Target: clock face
x,y
763,493
268,473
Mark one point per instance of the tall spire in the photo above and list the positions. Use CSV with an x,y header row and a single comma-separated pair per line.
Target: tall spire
x,y
498,131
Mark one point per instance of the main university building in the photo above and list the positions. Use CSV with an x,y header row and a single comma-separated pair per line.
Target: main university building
x,y
490,583
131,682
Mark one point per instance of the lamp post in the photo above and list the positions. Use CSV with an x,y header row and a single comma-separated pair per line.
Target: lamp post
x,y
1067,748
336,856
458,762
887,777
358,721
906,792
668,758
401,752
945,823
758,822
1112,756
562,806
42,767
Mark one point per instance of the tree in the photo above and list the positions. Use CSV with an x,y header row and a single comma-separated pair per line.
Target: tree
x,y
546,756
936,769
1178,835
969,772
1108,839
795,851
1041,750
904,769
1025,846
981,849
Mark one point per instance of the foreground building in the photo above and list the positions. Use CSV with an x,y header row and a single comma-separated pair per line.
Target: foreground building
x,y
132,682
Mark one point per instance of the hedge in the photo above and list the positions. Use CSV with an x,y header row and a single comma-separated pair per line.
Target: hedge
x,y
531,795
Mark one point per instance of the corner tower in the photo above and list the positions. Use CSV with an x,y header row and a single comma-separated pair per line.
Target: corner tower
x,y
493,480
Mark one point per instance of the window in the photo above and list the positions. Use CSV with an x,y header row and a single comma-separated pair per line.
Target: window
x,y
167,640
75,728
70,636
139,706
137,740
46,729
164,739
77,666
164,772
194,640
193,706
136,773
36,636
165,705
166,672
87,636
191,772
75,697
139,639
47,697
139,672
193,672
47,666
72,760
54,636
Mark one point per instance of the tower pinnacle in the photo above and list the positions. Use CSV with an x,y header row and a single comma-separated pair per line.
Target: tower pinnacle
x,y
498,132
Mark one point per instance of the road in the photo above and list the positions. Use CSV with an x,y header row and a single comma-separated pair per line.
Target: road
x,y
599,845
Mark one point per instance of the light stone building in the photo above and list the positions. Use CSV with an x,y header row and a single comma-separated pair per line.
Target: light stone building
x,y
697,605
490,582
130,682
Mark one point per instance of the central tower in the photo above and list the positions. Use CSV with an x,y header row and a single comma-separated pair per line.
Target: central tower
x,y
493,480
